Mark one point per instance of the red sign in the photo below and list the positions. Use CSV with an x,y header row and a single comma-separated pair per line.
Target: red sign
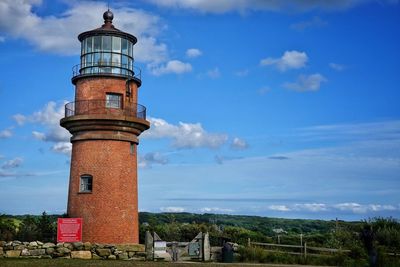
x,y
69,230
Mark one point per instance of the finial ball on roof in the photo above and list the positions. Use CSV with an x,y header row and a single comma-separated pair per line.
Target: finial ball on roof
x,y
108,16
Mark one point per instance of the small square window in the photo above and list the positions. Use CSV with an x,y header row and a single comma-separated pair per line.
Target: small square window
x,y
113,100
86,183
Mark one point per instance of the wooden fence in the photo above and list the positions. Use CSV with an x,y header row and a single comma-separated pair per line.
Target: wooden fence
x,y
302,250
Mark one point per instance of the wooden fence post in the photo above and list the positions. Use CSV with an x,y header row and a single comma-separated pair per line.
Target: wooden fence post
x,y
305,250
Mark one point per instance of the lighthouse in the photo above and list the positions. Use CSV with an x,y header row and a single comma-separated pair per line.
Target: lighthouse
x,y
105,121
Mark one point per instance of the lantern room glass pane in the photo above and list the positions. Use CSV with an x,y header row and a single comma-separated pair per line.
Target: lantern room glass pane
x,y
124,61
83,46
96,58
116,60
106,58
89,42
130,65
83,61
97,43
130,48
107,43
124,46
88,60
116,44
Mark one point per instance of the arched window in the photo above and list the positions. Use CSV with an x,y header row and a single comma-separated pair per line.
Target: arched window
x,y
86,183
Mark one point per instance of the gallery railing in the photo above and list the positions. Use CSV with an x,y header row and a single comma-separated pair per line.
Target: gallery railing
x,y
106,107
101,68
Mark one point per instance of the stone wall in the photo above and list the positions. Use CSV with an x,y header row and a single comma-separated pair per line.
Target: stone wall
x,y
77,250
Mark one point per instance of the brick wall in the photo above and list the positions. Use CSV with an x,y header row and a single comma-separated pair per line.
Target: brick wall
x,y
95,88
110,211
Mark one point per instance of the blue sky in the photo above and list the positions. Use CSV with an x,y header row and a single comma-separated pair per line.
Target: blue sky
x,y
272,108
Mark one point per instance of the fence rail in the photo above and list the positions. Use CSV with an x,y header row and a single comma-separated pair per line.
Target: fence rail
x,y
302,250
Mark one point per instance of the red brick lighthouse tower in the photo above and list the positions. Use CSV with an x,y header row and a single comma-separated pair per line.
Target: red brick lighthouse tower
x,y
105,122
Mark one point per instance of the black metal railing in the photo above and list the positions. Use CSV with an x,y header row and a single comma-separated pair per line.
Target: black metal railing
x,y
101,68
106,107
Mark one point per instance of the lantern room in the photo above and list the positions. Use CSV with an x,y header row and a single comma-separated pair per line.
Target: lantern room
x,y
107,51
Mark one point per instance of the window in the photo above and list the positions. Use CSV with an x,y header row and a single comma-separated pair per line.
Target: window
x,y
86,183
113,100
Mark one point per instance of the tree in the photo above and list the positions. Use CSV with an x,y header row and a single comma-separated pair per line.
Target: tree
x,y
28,230
8,229
46,228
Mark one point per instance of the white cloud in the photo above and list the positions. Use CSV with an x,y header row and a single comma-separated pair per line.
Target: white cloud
x,y
313,207
172,66
306,83
215,210
172,209
149,159
279,208
352,207
62,147
7,133
39,135
243,6
360,208
239,144
12,163
58,34
337,67
193,52
378,207
214,73
49,118
184,135
19,119
289,60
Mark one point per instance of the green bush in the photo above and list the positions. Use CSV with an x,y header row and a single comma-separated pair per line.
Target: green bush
x,y
8,229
